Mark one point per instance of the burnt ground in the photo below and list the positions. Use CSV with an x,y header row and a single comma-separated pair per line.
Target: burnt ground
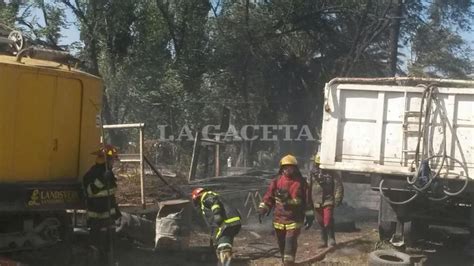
x,y
255,244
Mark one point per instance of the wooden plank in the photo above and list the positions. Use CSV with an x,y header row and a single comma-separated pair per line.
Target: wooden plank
x,y
195,156
142,170
217,159
136,125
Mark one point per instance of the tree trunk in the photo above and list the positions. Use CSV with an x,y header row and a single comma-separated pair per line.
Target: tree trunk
x,y
396,15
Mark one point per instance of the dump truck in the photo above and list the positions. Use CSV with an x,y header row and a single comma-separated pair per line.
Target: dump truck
x,y
412,139
48,129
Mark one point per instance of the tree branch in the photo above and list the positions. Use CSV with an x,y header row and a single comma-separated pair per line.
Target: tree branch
x,y
171,26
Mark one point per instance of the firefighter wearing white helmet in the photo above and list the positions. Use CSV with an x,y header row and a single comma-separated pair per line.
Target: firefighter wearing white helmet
x,y
327,192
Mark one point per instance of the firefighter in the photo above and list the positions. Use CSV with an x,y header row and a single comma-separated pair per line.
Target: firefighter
x,y
290,197
327,192
224,220
99,184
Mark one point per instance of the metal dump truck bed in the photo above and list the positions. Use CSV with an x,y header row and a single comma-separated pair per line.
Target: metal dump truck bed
x,y
412,140
372,125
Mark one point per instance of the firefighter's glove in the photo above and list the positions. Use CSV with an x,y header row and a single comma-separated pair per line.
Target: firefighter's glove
x,y
109,175
282,196
309,219
262,210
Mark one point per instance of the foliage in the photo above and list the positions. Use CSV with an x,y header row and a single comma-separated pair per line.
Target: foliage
x,y
180,62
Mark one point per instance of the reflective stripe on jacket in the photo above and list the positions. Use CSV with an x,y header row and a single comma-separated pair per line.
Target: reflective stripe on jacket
x,y
290,198
289,226
218,213
99,183
229,222
101,193
100,187
101,215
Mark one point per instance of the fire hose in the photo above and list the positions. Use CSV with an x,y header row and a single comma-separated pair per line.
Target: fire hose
x,y
423,174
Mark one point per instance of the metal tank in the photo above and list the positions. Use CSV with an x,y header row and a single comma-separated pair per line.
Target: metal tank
x,y
48,129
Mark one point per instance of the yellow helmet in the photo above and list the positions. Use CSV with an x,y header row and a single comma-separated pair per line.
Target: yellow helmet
x,y
288,160
106,149
317,158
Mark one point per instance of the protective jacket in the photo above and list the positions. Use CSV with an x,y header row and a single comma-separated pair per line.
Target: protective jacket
x,y
100,186
291,199
218,213
327,190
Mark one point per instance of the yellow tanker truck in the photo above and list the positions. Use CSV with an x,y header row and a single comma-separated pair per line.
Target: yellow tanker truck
x,y
47,131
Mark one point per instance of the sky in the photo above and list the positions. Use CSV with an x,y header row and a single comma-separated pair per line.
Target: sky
x,y
71,34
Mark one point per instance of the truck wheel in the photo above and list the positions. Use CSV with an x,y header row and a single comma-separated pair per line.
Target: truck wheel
x,y
388,258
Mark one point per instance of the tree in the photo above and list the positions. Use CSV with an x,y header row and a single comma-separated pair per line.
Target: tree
x,y
182,61
44,31
437,47
8,13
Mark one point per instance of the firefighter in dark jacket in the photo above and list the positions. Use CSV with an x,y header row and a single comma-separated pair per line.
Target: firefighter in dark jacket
x,y
223,219
99,184
290,197
327,193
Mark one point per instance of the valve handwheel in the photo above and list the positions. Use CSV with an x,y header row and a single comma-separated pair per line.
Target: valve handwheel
x,y
17,39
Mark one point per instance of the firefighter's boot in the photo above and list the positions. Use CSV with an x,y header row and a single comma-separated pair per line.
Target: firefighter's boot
x,y
331,236
324,238
224,254
288,260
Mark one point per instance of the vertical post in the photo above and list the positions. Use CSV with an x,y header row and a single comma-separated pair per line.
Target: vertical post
x,y
142,187
206,161
218,166
471,224
194,158
244,152
74,218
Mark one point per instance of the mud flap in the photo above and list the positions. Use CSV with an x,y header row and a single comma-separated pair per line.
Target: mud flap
x,y
469,248
387,219
398,238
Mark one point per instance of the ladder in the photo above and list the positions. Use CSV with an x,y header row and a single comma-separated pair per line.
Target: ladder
x,y
411,120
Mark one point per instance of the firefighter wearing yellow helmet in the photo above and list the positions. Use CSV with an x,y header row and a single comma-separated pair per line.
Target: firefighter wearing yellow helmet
x,y
327,192
290,198
99,184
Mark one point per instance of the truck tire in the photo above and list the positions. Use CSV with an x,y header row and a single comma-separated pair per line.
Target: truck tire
x,y
388,258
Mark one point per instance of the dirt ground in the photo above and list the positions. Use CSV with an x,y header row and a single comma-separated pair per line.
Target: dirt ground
x,y
352,247
256,244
